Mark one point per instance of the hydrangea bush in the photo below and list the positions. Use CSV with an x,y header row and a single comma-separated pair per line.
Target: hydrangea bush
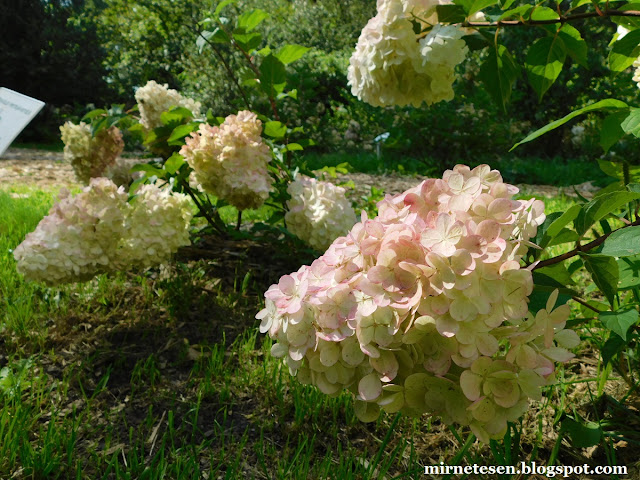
x,y
423,309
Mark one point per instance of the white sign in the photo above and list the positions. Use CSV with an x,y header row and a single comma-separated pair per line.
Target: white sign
x,y
16,111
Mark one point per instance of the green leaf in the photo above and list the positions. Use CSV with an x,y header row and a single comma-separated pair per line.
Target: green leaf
x,y
544,13
215,36
604,272
544,63
623,243
629,270
600,207
293,147
574,44
611,131
612,347
173,163
630,23
631,124
176,115
149,170
562,221
451,13
291,53
478,5
273,75
614,169
498,73
275,129
93,113
517,13
557,272
248,41
607,104
181,131
620,321
250,20
625,51
582,434
221,5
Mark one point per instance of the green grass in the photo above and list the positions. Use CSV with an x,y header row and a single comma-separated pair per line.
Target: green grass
x,y
153,374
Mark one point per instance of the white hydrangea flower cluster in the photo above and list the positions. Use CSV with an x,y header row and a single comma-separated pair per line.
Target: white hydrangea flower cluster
x,y
230,161
157,226
393,66
153,99
76,240
98,231
423,309
90,156
318,212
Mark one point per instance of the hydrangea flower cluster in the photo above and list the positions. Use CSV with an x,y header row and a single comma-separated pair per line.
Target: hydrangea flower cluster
x,y
230,161
153,99
423,309
98,231
318,211
157,225
90,156
392,65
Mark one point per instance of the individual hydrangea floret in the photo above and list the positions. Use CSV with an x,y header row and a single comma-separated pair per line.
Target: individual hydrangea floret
x,y
230,161
99,231
392,65
153,99
424,308
90,155
318,211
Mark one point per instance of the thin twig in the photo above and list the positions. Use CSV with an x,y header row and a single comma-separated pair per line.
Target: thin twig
x,y
562,19
585,304
581,248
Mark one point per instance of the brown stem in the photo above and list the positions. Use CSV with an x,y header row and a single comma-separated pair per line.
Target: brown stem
x,y
581,248
585,304
239,220
563,19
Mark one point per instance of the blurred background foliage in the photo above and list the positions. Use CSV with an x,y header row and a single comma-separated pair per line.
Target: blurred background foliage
x,y
74,53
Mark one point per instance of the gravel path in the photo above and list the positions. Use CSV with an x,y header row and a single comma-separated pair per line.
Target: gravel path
x,y
48,170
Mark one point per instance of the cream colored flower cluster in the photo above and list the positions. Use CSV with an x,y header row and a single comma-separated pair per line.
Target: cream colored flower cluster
x,y
157,226
98,231
230,161
423,309
154,99
318,212
90,156
393,66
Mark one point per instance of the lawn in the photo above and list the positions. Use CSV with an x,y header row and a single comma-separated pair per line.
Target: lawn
x,y
162,374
